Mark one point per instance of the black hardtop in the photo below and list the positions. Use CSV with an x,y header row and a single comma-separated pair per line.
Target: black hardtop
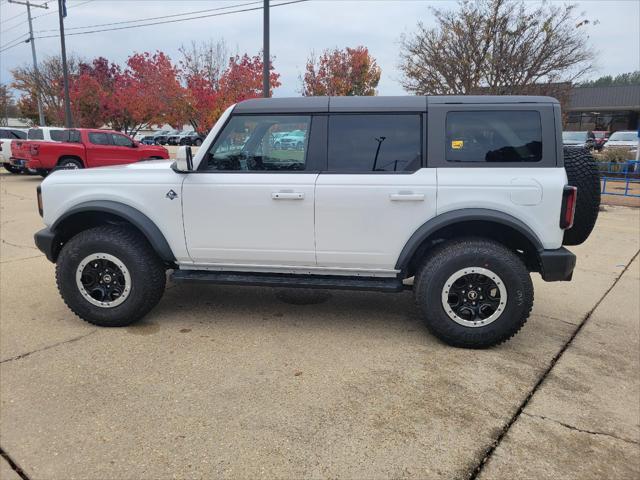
x,y
406,103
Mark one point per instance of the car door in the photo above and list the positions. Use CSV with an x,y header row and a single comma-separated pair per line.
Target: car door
x,y
124,149
99,148
250,203
375,193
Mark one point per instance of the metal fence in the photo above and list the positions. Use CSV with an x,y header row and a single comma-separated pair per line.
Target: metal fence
x,y
620,178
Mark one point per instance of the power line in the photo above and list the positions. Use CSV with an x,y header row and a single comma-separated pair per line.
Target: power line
x,y
152,18
5,30
15,44
69,7
174,21
11,18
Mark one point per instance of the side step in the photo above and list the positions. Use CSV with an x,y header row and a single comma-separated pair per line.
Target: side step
x,y
289,280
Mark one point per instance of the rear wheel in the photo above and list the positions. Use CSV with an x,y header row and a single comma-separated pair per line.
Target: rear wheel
x,y
197,142
10,168
110,276
473,293
582,173
69,163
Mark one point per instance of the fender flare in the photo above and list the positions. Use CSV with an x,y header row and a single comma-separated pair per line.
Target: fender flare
x,y
459,216
138,219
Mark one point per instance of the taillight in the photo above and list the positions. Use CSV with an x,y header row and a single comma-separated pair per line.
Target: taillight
x,y
39,195
568,211
33,150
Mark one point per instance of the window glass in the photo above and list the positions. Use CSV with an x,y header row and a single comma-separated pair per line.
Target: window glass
x,y
380,143
121,140
12,134
59,135
99,138
496,136
35,134
19,134
5,134
74,136
261,142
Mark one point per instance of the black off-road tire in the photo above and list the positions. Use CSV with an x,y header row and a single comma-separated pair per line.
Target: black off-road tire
x,y
146,269
582,172
452,256
11,169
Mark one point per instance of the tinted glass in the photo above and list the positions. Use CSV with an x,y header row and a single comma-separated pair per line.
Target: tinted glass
x,y
381,143
59,135
99,138
12,134
258,143
6,134
74,136
500,136
121,140
35,134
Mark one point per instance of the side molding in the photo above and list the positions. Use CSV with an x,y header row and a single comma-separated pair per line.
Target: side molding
x,y
459,216
130,214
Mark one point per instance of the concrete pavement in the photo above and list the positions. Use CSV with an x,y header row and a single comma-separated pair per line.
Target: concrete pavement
x,y
247,382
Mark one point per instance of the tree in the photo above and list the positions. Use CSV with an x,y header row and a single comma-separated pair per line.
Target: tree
x,y
496,47
207,60
631,78
209,96
352,71
8,106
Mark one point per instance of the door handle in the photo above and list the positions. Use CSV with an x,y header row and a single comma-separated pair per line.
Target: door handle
x,y
406,197
287,195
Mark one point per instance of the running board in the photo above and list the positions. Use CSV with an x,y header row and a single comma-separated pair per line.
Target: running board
x,y
378,284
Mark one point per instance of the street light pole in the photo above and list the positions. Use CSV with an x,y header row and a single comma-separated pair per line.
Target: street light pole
x,y
68,122
33,55
266,63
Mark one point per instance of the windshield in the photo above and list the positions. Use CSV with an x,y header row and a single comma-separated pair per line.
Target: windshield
x,y
599,134
574,136
624,136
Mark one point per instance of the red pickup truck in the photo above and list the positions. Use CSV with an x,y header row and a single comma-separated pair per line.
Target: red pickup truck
x,y
86,148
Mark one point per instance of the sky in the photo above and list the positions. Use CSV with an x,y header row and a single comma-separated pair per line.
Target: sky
x,y
296,30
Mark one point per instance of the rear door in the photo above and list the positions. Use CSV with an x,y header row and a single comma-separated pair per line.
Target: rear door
x,y
375,192
250,204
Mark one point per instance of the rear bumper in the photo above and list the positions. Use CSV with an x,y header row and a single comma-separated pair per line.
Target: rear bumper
x,y
557,265
46,242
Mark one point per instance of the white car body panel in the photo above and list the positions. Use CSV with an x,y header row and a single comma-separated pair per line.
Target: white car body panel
x,y
142,185
531,195
364,221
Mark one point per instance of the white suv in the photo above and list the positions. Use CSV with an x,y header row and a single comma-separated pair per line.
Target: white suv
x,y
457,198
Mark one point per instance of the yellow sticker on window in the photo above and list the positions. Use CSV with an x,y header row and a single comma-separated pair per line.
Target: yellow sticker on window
x,y
457,144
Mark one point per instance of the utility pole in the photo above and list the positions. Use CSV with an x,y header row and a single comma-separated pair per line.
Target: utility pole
x,y
62,12
33,54
266,62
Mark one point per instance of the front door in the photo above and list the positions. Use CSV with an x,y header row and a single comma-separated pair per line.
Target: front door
x,y
251,202
375,193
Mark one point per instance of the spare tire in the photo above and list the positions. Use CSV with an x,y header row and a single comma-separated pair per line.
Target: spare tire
x,y
582,172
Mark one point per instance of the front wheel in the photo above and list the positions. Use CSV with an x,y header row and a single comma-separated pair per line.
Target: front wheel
x,y
110,276
473,293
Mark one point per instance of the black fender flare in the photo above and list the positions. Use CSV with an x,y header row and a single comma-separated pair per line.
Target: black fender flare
x,y
138,219
458,216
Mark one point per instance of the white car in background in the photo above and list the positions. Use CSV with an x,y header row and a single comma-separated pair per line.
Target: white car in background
x,y
623,139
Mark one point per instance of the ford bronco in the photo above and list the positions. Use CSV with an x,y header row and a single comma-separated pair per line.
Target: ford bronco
x,y
458,198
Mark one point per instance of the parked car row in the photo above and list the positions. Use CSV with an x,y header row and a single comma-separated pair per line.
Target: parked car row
x,y
599,140
174,137
46,149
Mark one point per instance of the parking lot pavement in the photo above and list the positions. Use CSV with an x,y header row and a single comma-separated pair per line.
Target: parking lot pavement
x,y
246,382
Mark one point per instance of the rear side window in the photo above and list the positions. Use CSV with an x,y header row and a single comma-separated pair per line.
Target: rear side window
x,y
494,136
375,143
12,134
59,135
99,138
35,134
19,134
261,143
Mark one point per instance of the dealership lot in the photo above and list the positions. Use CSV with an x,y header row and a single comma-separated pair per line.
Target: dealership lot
x,y
246,382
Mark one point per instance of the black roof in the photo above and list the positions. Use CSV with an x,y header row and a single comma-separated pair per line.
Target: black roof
x,y
374,104
618,97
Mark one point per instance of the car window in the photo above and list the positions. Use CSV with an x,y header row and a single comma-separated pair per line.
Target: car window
x,y
121,140
6,134
261,142
12,134
99,138
494,136
35,134
59,135
624,136
375,143
574,136
74,136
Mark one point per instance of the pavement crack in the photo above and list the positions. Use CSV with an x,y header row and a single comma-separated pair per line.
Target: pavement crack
x,y
590,432
19,246
20,259
14,466
492,447
23,355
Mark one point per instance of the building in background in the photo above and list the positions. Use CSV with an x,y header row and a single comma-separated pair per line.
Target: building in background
x,y
609,108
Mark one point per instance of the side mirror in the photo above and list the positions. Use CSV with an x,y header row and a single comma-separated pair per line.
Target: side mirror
x,y
184,159
135,144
